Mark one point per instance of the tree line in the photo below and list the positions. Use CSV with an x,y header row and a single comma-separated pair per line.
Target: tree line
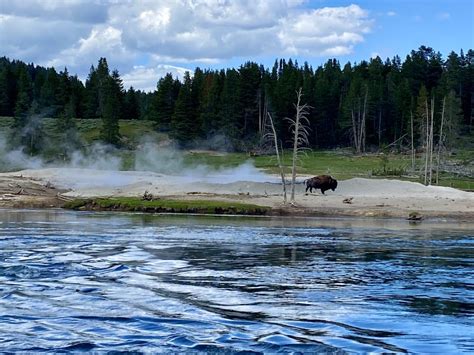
x,y
366,105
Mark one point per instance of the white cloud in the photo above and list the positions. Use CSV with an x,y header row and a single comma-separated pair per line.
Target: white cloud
x,y
326,31
144,78
391,13
216,29
102,41
31,39
75,33
86,11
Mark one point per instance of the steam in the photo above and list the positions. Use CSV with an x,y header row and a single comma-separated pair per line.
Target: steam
x,y
15,159
150,156
147,157
98,156
166,160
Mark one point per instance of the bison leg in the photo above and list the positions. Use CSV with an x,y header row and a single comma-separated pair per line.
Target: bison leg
x,y
322,190
307,187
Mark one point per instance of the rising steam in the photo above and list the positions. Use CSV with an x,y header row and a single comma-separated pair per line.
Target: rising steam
x,y
107,161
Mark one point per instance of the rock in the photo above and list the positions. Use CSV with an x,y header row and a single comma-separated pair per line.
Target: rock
x,y
415,216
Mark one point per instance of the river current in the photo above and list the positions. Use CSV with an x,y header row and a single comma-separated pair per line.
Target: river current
x,y
77,281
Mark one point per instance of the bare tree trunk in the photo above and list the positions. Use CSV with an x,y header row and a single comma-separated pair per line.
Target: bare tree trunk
x,y
265,112
440,141
295,145
380,126
300,126
412,144
282,173
426,142
431,139
260,126
359,131
354,132
362,129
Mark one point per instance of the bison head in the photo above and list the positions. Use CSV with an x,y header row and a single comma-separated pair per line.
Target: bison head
x,y
333,184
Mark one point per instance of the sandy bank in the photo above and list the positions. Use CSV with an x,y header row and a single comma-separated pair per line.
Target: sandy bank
x,y
369,197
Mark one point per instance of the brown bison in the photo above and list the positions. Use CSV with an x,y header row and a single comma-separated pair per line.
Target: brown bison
x,y
323,182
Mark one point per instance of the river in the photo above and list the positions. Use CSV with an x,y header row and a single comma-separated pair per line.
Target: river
x,y
79,281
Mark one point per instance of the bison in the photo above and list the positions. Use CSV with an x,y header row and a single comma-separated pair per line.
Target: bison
x,y
323,182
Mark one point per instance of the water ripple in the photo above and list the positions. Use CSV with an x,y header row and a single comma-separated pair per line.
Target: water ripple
x,y
101,282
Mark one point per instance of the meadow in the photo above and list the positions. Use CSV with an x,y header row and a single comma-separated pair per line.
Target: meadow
x,y
341,163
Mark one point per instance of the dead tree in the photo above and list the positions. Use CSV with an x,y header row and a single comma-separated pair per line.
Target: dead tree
x,y
429,142
440,141
412,144
358,125
273,136
427,134
300,129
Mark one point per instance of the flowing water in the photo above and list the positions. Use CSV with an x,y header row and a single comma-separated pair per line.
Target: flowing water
x,y
97,282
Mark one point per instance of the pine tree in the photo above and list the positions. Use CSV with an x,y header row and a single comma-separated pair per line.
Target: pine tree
x,y
131,105
5,91
163,104
66,127
91,95
230,123
250,86
63,91
48,93
111,90
453,119
183,128
422,116
210,105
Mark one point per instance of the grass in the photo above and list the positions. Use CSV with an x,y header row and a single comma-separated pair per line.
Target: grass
x,y
133,131
340,163
166,206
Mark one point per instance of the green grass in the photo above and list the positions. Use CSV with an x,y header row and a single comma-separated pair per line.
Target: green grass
x,y
166,206
340,163
133,131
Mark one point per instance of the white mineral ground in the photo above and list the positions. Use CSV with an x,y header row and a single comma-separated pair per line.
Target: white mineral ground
x,y
370,197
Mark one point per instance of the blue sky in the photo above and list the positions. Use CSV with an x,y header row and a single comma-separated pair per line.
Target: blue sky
x,y
403,25
145,39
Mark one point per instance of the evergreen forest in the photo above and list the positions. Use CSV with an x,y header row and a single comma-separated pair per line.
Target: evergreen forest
x,y
368,105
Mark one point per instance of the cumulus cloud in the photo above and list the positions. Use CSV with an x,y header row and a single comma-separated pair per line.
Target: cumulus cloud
x,y
101,41
326,31
139,36
33,39
224,29
85,11
144,78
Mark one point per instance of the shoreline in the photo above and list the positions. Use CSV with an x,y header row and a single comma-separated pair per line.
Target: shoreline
x,y
48,203
394,224
358,198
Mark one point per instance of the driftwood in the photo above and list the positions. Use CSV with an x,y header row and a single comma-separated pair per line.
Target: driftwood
x,y
147,196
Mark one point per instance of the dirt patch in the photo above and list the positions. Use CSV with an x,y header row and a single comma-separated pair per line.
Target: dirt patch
x,y
18,191
354,197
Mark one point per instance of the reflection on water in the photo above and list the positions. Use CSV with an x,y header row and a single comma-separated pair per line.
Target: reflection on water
x,y
98,282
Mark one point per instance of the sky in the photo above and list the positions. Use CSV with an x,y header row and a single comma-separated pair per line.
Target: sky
x,y
144,40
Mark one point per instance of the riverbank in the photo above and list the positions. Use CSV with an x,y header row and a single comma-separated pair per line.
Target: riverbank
x,y
44,188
